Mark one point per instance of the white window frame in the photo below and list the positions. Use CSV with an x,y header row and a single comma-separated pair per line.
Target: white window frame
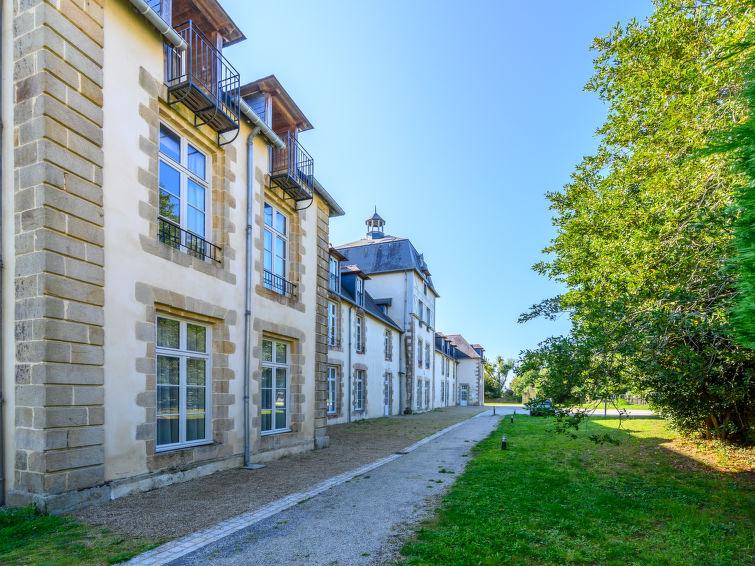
x,y
332,324
183,354
427,355
332,398
274,235
185,174
419,393
388,345
275,365
359,379
427,394
359,330
334,275
419,352
359,291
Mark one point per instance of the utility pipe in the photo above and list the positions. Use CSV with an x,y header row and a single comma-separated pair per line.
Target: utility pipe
x,y
162,26
248,292
348,372
2,272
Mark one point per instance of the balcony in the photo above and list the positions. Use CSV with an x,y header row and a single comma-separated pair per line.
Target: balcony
x,y
292,169
204,81
278,284
176,237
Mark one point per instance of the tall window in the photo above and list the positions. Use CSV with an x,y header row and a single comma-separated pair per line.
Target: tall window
x,y
419,353
427,355
359,390
419,393
360,334
388,345
183,194
424,288
360,291
182,361
420,309
276,250
332,323
428,316
274,386
332,390
334,275
427,394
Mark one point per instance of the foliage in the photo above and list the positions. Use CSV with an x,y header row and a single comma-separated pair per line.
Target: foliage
x,y
549,500
496,374
644,229
30,537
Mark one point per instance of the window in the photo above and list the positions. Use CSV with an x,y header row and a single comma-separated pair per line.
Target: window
x,y
420,310
332,390
332,324
419,394
427,394
419,353
274,386
388,345
182,361
359,291
334,275
424,285
427,355
183,195
428,316
360,334
359,390
276,251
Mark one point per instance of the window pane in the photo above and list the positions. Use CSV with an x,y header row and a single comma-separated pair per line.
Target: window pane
x,y
268,260
195,425
167,400
196,338
268,241
280,247
170,144
195,221
195,399
170,207
280,267
167,429
280,353
195,372
268,215
280,383
196,162
170,179
167,333
280,222
167,370
267,381
280,418
195,195
267,351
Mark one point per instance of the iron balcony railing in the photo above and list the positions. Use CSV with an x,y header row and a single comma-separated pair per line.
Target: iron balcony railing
x,y
293,169
279,284
203,80
176,237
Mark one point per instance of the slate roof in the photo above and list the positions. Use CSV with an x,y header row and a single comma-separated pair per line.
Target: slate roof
x,y
370,307
386,254
462,346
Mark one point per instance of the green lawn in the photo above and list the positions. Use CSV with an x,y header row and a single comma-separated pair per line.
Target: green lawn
x,y
549,499
495,404
27,537
621,404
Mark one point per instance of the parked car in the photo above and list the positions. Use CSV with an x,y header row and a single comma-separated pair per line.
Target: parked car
x,y
539,407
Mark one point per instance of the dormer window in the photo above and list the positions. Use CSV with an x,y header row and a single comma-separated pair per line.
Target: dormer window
x,y
359,291
334,275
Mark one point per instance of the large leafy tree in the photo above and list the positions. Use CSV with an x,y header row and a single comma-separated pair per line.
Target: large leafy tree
x,y
644,227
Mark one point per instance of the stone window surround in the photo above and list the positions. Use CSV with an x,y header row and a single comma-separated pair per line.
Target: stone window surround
x,y
339,389
360,316
220,179
389,350
338,346
359,367
389,376
164,301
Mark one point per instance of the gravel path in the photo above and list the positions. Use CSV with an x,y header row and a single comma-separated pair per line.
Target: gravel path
x,y
362,521
180,509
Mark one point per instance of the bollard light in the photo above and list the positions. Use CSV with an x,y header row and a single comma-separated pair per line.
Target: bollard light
x,y
503,442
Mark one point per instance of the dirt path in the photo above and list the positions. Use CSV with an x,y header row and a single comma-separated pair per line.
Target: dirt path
x,y
179,509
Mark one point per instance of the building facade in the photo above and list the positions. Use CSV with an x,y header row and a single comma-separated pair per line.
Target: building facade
x,y
470,371
165,252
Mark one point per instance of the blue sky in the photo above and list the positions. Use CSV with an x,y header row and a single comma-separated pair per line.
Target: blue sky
x,y
453,119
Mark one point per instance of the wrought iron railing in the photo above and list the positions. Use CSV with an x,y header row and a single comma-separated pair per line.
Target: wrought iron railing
x,y
176,237
279,284
294,161
204,68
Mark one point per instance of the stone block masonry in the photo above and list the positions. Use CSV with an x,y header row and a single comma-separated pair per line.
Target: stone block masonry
x,y
59,250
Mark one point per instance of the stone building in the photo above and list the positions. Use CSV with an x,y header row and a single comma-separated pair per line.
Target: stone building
x,y
164,252
470,371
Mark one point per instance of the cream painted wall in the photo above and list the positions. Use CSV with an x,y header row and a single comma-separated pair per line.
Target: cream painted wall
x,y
470,372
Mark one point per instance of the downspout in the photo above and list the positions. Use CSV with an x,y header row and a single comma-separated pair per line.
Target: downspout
x,y
248,295
348,372
2,270
402,390
162,26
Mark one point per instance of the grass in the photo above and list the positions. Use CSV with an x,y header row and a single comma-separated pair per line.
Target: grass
x,y
28,537
550,499
495,403
621,404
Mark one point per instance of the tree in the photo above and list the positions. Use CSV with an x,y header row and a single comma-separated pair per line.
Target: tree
x,y
496,374
645,228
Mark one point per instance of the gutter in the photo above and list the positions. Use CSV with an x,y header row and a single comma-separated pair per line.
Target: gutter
x,y
258,122
335,209
161,25
248,297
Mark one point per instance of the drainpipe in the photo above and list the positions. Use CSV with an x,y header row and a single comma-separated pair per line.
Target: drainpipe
x,y
348,373
2,270
248,293
162,26
402,390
